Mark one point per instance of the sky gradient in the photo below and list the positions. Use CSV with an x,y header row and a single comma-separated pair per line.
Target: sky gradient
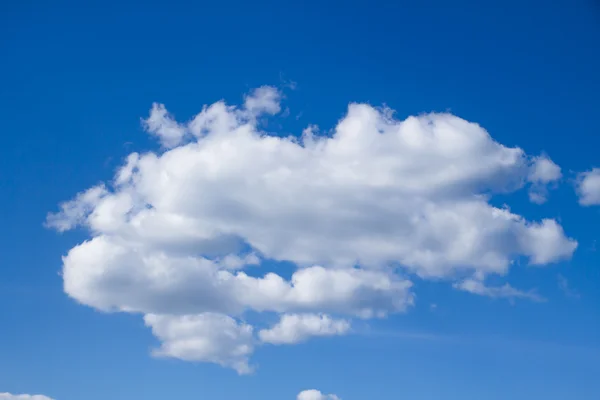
x,y
311,201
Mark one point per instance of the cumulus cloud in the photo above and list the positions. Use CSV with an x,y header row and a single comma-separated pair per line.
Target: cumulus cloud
x,y
161,124
207,337
588,187
295,328
506,291
264,100
313,394
8,396
355,213
113,276
543,171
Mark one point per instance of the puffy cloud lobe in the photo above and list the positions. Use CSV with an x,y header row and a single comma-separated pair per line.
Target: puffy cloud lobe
x,y
379,191
162,125
8,396
295,328
264,100
108,275
588,187
207,337
175,233
545,242
313,394
543,171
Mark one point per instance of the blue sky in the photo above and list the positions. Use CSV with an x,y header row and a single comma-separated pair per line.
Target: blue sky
x,y
77,99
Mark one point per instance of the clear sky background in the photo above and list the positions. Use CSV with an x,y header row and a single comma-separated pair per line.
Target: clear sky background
x,y
78,77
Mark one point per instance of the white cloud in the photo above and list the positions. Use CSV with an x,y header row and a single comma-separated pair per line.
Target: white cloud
x,y
538,194
588,187
379,191
264,100
162,125
295,328
8,396
207,337
351,212
506,291
75,212
313,394
109,275
543,172
233,261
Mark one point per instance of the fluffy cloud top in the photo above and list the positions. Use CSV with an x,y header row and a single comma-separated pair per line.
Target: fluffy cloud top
x,y
8,396
588,187
294,328
313,394
544,170
175,235
542,173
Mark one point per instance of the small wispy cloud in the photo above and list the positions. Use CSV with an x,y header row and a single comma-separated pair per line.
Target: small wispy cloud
x,y
506,291
370,331
564,286
287,83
